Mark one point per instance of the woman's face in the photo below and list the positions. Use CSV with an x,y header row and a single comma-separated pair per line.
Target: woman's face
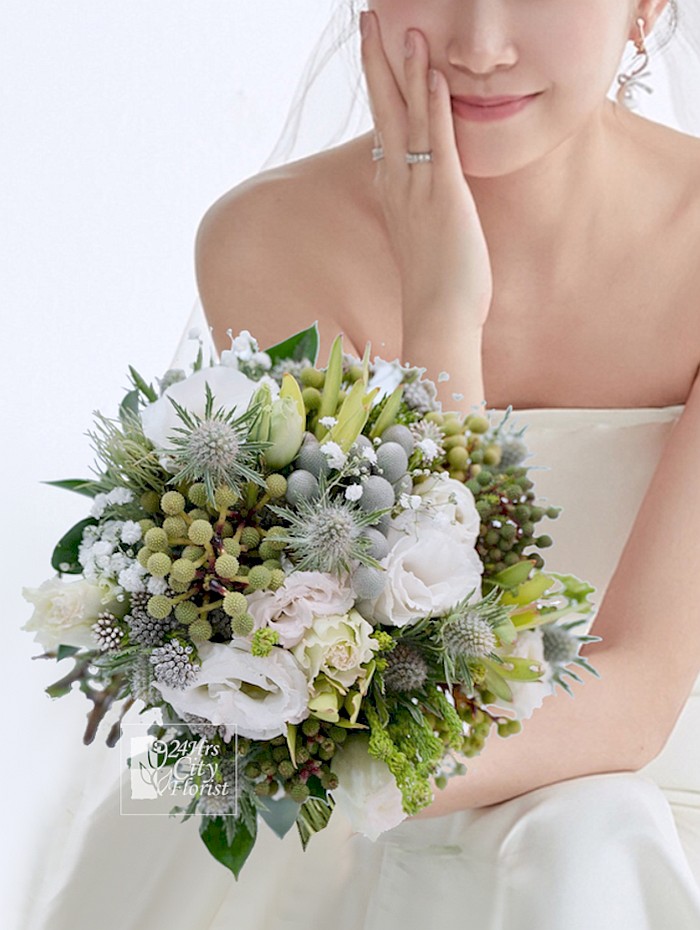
x,y
569,50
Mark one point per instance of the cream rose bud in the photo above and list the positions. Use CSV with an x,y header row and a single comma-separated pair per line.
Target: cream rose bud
x,y
443,495
528,695
430,567
255,696
367,793
337,645
64,613
292,607
230,387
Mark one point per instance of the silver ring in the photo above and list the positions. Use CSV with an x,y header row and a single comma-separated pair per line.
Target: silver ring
x,y
413,158
377,153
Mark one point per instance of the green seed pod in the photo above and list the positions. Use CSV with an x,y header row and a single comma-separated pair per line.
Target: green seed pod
x,y
273,537
312,398
250,538
227,566
458,457
183,571
310,726
186,612
544,541
235,604
259,577
197,494
179,587
200,532
199,513
299,791
251,770
477,424
145,525
156,539
200,629
242,625
159,606
159,564
277,578
286,768
150,501
193,553
457,439
143,555
225,496
311,377
232,547
276,486
172,503
175,527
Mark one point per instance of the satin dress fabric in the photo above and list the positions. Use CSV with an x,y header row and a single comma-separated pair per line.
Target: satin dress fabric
x,y
614,851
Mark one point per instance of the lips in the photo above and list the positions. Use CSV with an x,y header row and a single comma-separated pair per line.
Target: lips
x,y
491,101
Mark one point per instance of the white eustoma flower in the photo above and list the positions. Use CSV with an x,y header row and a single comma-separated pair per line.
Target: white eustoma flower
x,y
254,696
367,793
430,566
64,613
339,645
292,607
230,387
445,495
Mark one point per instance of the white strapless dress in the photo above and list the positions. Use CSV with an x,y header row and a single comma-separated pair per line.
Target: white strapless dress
x,y
617,851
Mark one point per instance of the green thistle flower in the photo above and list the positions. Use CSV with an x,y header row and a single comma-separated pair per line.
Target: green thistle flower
x,y
213,449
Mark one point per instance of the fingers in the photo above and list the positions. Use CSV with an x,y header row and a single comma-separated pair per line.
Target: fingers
x,y
446,161
416,75
386,100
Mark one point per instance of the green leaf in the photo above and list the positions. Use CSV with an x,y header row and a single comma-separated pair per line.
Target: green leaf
x,y
130,403
314,815
64,651
303,344
280,815
80,485
66,551
233,855
146,389
497,684
520,670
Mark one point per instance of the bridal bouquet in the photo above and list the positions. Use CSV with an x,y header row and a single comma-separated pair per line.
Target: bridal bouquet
x,y
317,573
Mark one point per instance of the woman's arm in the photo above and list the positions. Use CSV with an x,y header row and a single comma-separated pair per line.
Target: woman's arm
x,y
648,659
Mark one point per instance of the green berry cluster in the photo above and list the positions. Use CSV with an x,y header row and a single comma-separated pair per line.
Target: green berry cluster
x,y
270,763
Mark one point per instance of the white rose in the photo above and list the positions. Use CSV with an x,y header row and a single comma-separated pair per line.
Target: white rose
x,y
367,793
292,607
430,567
528,695
256,696
229,386
338,646
64,613
444,495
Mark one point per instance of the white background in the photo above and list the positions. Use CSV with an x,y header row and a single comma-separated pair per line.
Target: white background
x,y
121,123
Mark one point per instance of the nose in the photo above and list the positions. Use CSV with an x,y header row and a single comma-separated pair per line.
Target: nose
x,y
481,38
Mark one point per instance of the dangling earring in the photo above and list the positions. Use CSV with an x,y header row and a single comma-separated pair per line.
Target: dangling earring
x,y
629,81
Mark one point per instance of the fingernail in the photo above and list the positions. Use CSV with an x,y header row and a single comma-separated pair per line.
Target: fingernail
x,y
364,24
432,79
409,44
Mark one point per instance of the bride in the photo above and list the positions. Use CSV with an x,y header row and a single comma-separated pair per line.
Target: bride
x,y
543,253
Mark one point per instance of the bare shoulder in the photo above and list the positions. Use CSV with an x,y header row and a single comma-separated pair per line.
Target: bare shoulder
x,y
264,252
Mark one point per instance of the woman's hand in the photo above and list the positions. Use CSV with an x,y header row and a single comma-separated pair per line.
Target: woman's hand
x,y
435,230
